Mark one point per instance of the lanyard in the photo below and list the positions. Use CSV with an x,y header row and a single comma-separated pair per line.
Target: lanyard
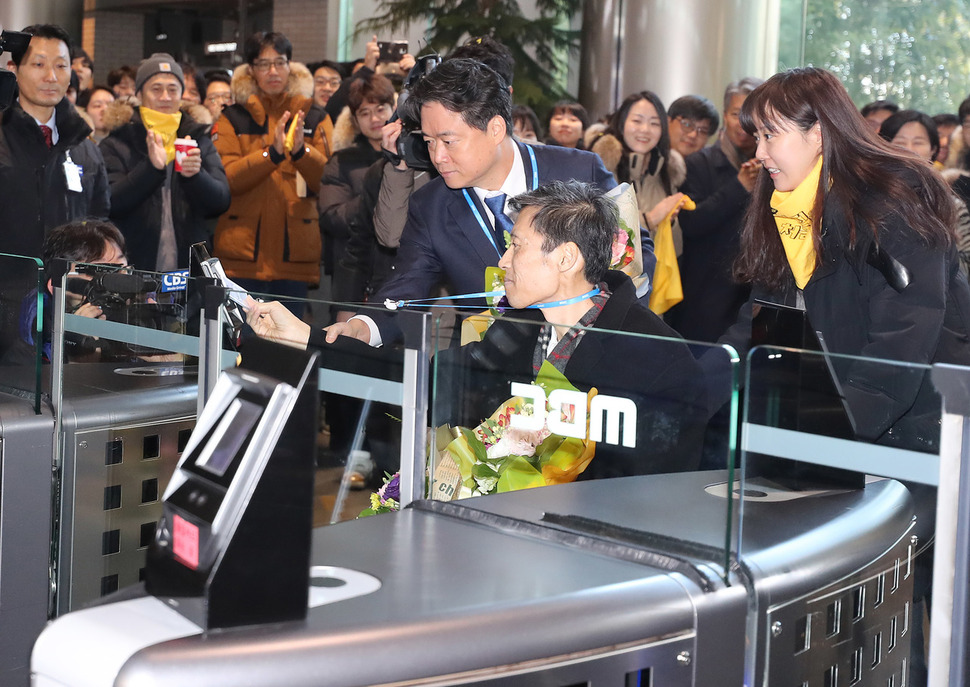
x,y
394,305
478,215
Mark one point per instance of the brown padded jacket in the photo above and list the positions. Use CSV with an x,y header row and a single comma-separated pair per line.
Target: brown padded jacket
x,y
269,231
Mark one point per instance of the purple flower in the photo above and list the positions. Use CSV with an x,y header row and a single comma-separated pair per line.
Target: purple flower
x,y
391,488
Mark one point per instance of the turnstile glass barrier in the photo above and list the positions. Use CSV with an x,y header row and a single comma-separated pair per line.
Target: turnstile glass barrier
x,y
23,309
508,415
373,407
840,463
137,349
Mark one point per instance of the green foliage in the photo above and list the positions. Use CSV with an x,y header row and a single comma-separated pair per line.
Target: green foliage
x,y
914,52
540,45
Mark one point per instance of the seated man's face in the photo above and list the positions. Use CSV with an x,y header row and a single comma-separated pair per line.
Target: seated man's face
x,y
463,155
531,275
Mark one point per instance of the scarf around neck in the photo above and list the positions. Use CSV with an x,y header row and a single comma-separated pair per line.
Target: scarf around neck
x,y
167,125
792,211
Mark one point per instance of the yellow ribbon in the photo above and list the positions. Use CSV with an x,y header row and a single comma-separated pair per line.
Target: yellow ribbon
x,y
667,289
793,217
166,125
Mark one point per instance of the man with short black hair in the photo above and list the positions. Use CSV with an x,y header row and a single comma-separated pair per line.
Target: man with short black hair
x,y
719,179
457,224
691,121
51,173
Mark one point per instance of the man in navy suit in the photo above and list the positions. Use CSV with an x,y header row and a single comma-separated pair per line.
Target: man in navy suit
x,y
464,108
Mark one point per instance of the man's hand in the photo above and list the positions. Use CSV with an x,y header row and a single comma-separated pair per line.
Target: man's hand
x,y
156,150
406,63
191,163
389,135
372,53
279,135
91,310
748,174
274,322
353,328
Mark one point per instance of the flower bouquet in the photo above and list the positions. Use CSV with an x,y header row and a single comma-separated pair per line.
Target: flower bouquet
x,y
497,456
387,499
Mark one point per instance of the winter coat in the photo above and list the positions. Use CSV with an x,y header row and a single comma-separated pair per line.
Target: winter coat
x,y
270,230
136,186
864,304
711,235
648,184
34,195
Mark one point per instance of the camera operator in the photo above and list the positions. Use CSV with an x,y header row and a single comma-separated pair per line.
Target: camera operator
x,y
91,242
50,172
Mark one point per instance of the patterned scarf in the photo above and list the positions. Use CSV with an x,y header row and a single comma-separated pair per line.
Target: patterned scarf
x,y
564,348
793,216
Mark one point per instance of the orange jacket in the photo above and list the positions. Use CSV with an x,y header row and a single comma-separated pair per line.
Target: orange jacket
x,y
269,231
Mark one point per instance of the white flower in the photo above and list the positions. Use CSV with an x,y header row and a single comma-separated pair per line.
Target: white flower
x,y
517,442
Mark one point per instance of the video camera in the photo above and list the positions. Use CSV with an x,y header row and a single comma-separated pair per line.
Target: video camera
x,y
14,42
127,298
411,146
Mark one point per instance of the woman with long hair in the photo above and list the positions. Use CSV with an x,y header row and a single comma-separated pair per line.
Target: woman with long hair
x,y
856,233
635,146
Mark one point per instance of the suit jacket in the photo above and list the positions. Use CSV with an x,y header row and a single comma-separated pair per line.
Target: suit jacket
x,y
443,240
661,377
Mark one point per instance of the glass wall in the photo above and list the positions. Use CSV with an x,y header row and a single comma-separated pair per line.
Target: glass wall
x,y
914,53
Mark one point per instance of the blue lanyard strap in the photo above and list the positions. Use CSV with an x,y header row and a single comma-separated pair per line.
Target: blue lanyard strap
x,y
478,215
394,305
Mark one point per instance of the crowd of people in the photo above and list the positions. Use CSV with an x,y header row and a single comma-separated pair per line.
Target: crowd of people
x,y
298,175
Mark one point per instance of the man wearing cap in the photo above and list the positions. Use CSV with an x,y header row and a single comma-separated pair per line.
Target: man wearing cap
x,y
50,172
162,210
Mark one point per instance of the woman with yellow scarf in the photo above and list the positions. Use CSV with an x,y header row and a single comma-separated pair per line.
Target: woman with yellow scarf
x,y
855,233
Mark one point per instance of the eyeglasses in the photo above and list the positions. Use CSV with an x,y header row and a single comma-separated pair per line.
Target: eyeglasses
x,y
689,126
333,83
382,111
280,63
219,98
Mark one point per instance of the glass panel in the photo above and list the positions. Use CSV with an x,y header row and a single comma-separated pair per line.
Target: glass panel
x,y
367,418
126,399
23,347
840,462
505,418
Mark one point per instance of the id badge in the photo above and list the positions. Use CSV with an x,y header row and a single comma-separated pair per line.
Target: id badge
x,y
301,188
73,175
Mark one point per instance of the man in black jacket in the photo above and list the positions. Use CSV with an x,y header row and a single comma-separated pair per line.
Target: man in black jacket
x,y
50,172
161,211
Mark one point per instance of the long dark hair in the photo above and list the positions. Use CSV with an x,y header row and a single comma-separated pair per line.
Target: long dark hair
x,y
870,178
618,121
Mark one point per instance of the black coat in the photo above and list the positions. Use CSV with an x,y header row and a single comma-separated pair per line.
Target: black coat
x,y
136,191
711,243
852,301
661,377
343,206
34,197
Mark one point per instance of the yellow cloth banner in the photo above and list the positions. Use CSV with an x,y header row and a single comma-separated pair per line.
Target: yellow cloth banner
x,y
167,125
667,289
793,216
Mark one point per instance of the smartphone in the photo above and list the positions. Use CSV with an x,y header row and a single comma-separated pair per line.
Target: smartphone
x,y
392,51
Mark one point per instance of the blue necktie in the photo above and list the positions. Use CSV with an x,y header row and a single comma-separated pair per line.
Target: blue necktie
x,y
502,222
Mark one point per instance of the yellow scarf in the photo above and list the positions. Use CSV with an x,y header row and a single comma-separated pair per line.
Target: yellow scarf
x,y
167,125
793,215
